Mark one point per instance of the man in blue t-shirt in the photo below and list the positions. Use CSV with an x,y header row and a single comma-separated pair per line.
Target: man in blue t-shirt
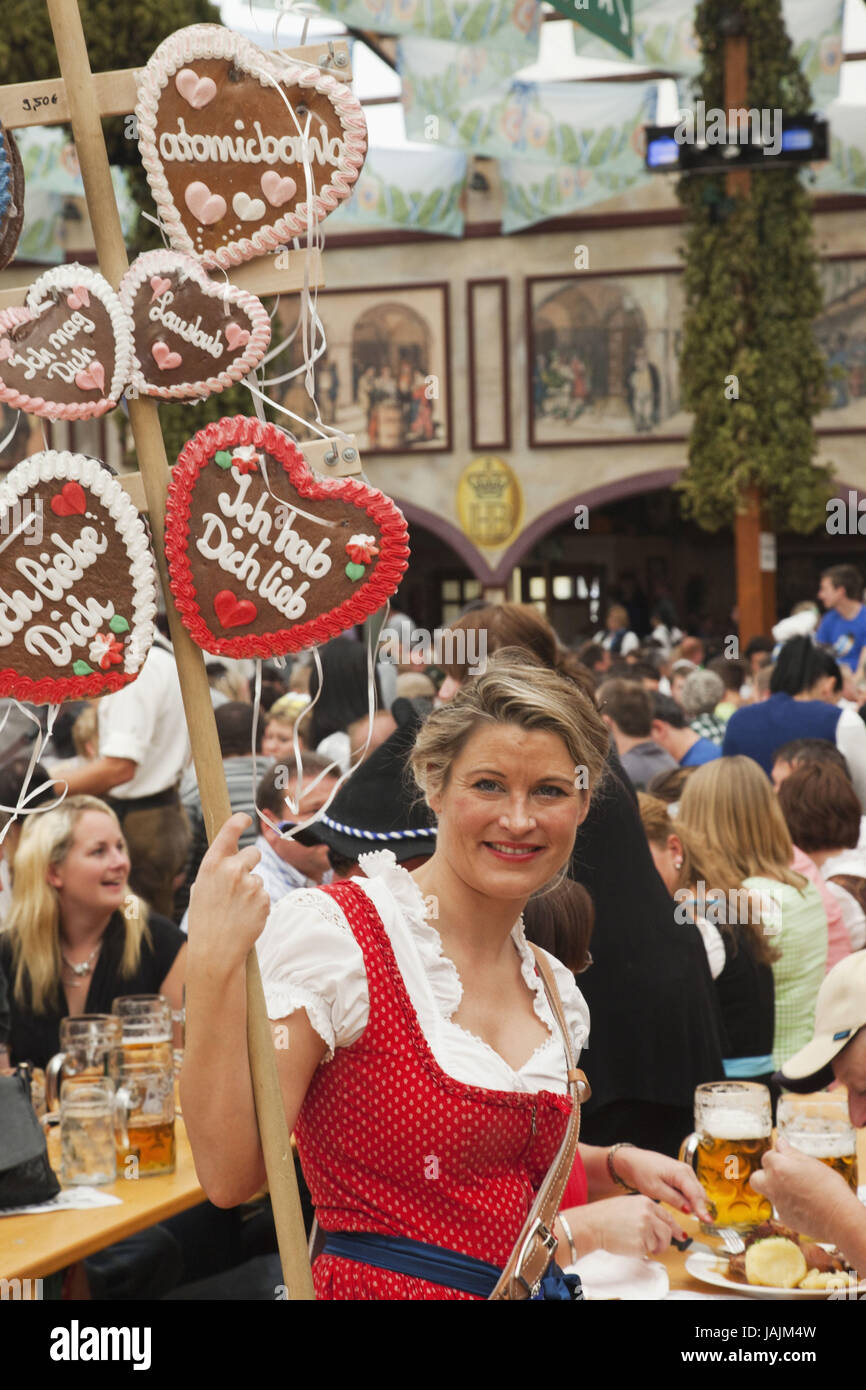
x,y
671,732
843,626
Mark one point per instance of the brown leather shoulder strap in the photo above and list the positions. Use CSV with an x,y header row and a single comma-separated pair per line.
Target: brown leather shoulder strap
x,y
536,1243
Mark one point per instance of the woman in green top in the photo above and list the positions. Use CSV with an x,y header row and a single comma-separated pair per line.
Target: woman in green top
x,y
732,804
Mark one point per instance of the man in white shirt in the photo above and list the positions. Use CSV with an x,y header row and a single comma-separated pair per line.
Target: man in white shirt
x,y
143,746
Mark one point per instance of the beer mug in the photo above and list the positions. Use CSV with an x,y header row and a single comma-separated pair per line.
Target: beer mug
x,y
87,1133
146,1021
145,1099
819,1125
733,1128
86,1041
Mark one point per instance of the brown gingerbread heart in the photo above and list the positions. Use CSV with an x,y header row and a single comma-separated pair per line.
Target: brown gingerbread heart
x,y
67,353
77,581
265,557
192,336
223,131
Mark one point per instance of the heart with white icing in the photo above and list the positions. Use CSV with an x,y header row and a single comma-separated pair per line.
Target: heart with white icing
x,y
192,336
223,127
264,556
77,581
67,353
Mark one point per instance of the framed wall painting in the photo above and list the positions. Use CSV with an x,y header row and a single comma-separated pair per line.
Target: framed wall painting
x,y
841,334
603,358
488,353
385,374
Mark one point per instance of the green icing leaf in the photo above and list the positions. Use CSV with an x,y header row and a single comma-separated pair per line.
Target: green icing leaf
x,y
118,623
81,668
354,571
223,459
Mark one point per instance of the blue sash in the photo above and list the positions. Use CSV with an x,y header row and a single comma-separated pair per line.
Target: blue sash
x,y
742,1068
437,1265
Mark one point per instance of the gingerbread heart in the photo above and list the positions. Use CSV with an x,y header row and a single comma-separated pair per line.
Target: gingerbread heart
x,y
77,581
67,353
264,556
11,196
223,131
191,335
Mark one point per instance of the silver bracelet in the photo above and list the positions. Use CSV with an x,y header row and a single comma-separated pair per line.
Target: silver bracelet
x,y
569,1237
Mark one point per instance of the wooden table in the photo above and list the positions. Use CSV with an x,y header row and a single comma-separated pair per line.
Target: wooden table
x,y
36,1245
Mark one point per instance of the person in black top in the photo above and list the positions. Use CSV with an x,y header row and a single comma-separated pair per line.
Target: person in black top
x,y
75,938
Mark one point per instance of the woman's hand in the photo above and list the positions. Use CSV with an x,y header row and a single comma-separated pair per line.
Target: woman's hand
x,y
663,1178
624,1226
229,904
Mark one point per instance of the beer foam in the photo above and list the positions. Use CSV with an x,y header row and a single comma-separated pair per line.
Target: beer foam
x,y
822,1145
737,1124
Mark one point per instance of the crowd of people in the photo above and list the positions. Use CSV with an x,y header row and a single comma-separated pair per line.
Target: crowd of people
x,y
679,829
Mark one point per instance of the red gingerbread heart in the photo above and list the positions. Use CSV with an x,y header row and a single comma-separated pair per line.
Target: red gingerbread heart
x,y
77,581
67,353
71,499
268,550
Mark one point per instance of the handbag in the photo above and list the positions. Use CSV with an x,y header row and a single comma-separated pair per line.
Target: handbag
x,y
26,1176
535,1247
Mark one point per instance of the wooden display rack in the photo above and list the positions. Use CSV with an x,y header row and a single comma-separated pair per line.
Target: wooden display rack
x,y
82,98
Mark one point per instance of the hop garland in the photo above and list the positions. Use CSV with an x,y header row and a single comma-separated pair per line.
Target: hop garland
x,y
752,295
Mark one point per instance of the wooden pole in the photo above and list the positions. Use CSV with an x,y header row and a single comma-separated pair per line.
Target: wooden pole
x,y
756,588
93,159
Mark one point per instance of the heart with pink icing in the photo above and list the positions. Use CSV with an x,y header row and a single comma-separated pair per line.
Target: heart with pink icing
x,y
192,336
223,132
67,353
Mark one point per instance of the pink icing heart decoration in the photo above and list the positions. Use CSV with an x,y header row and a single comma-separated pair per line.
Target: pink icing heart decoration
x,y
198,91
206,207
91,378
79,298
164,358
243,147
273,538
66,354
232,611
198,336
71,500
236,336
77,610
277,190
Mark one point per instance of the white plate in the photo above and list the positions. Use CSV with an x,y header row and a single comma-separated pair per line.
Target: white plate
x,y
706,1269
607,1276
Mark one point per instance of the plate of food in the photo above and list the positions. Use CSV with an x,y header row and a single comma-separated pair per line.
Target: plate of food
x,y
777,1263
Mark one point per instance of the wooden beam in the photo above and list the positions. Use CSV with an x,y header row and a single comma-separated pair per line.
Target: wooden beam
x,y
47,103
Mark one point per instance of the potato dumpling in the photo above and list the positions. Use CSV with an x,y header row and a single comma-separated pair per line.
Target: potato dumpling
x,y
826,1279
776,1263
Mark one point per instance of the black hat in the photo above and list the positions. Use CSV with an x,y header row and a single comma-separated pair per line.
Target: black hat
x,y
379,807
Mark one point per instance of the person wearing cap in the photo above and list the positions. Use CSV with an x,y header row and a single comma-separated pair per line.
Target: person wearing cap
x,y
808,1195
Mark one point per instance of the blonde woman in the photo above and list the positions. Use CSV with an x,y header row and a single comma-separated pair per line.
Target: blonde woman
x,y
730,803
75,937
443,1101
708,893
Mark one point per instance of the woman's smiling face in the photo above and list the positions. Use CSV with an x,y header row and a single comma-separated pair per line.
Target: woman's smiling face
x,y
96,868
510,810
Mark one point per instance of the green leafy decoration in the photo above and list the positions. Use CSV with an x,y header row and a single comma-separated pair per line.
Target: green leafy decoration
x,y
752,294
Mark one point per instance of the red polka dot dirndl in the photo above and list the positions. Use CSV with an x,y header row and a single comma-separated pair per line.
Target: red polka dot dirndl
x,y
391,1144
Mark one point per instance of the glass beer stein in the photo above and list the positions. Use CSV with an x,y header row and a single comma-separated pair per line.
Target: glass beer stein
x,y
87,1133
145,1098
86,1041
146,1022
733,1129
819,1125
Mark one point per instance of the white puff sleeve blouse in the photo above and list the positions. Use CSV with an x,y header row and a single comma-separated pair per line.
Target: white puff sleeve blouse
x,y
309,959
